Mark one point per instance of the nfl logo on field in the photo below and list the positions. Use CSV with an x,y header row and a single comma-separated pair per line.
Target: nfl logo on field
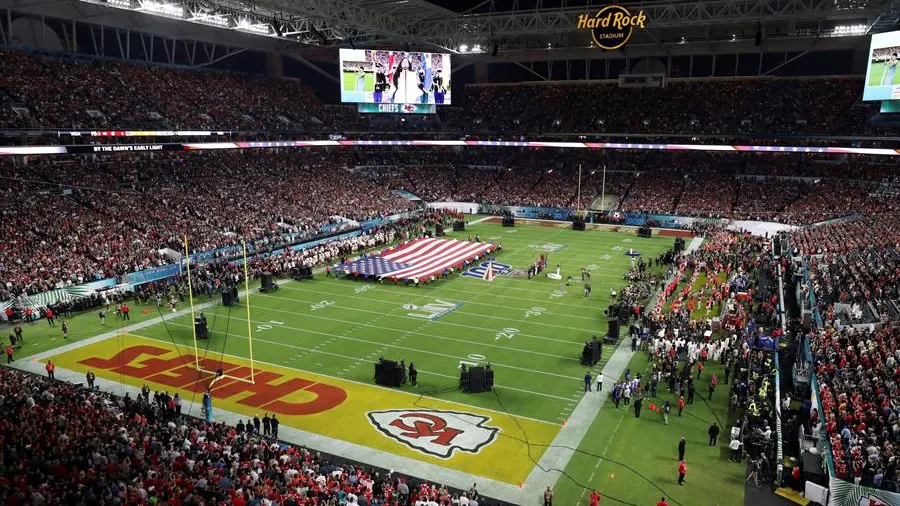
x,y
435,432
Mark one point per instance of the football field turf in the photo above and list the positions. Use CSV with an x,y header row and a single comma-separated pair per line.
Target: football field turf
x,y
876,75
314,343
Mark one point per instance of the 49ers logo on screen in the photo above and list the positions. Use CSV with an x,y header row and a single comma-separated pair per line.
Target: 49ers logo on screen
x,y
435,432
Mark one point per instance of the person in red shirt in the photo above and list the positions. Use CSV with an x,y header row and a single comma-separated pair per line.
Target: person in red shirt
x,y
595,498
662,502
680,404
125,310
28,315
50,368
49,315
9,354
682,470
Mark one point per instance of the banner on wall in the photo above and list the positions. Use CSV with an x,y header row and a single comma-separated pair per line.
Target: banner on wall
x,y
157,273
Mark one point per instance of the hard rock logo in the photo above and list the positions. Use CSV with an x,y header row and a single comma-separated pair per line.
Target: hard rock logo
x,y
612,26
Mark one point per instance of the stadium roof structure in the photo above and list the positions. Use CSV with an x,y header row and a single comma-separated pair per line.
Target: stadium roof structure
x,y
518,29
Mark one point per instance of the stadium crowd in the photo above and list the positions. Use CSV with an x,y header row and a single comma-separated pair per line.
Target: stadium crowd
x,y
79,219
64,91
853,274
66,444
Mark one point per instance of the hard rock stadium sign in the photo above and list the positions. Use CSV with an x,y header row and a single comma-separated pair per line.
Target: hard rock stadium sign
x,y
612,26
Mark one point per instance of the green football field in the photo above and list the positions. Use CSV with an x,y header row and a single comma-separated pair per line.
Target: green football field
x,y
349,81
877,74
531,331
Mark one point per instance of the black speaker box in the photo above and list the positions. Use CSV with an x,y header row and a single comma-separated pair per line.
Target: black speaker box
x,y
613,334
477,380
439,230
200,330
509,221
301,273
388,373
229,296
578,225
459,226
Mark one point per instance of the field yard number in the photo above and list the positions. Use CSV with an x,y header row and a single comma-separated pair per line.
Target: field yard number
x,y
535,311
267,326
606,257
508,333
472,360
559,292
321,305
617,248
363,288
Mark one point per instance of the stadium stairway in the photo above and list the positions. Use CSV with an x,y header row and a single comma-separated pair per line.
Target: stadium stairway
x,y
792,495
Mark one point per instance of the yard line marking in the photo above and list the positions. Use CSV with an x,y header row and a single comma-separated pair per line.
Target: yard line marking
x,y
442,322
383,291
494,364
490,332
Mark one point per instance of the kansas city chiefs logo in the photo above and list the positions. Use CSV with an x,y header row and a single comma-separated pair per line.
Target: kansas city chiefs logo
x,y
435,432
409,107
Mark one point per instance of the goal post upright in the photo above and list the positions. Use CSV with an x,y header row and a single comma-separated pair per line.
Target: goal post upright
x,y
187,260
247,303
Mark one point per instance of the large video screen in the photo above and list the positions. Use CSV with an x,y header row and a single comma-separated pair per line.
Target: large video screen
x,y
882,78
394,77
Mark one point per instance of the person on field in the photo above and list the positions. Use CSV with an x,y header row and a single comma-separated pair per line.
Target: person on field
x,y
587,381
713,433
682,471
681,446
50,367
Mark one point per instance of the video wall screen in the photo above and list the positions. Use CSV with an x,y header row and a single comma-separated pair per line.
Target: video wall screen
x,y
882,78
370,76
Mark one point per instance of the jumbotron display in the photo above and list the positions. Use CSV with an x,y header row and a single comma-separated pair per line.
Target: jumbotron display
x,y
882,81
371,76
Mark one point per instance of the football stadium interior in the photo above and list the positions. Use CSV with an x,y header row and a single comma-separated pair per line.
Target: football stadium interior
x,y
449,252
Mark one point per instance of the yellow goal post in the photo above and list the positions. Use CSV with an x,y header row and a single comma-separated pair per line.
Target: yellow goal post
x,y
215,374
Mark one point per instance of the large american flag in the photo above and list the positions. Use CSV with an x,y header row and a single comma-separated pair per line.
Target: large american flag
x,y
419,259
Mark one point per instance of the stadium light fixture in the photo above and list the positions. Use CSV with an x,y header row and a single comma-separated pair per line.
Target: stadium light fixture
x,y
463,48
165,9
476,48
850,30
126,4
244,24
733,37
222,20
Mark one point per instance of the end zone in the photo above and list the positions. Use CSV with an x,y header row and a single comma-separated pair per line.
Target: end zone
x,y
451,435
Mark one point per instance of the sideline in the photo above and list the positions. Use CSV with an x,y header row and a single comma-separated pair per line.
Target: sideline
x,y
570,437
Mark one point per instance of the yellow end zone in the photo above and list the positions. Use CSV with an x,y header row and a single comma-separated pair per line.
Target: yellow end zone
x,y
457,436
